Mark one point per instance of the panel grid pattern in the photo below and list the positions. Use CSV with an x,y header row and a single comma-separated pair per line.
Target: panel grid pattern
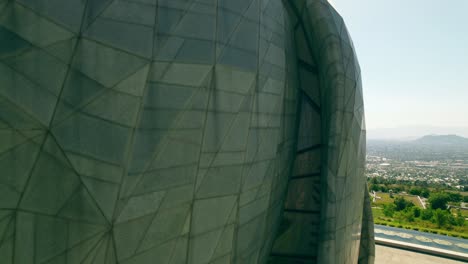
x,y
156,131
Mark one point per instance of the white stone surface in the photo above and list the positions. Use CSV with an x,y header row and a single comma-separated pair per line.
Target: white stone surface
x,y
388,255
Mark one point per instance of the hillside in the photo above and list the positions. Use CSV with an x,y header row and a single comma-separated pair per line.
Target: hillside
x,y
442,140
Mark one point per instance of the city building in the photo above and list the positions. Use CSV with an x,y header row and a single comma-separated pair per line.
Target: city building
x,y
180,131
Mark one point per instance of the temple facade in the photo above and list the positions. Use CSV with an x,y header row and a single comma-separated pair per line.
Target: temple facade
x,y
181,131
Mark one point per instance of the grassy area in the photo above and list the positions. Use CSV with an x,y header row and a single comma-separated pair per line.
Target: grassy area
x,y
419,225
463,212
462,193
434,221
385,199
413,199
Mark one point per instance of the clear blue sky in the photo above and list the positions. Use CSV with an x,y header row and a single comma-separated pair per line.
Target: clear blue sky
x,y
414,60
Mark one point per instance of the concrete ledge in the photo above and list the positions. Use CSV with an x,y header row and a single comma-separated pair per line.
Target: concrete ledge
x,y
422,249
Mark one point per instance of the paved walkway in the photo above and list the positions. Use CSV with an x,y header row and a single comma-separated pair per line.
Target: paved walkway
x,y
388,255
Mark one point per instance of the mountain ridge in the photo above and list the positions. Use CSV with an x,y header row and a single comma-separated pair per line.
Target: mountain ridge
x,y
409,133
434,139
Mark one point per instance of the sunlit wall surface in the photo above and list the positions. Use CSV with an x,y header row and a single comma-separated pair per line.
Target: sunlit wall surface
x,y
180,131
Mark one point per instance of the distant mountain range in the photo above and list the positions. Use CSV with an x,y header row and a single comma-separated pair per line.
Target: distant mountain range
x,y
442,140
410,133
428,140
428,148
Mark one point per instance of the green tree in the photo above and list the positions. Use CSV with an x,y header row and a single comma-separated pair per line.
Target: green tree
x,y
401,203
455,197
440,217
416,211
399,216
460,218
389,210
415,191
425,193
374,187
426,214
451,220
383,188
439,200
408,215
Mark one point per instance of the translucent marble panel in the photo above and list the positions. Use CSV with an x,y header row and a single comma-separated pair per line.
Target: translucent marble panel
x,y
180,131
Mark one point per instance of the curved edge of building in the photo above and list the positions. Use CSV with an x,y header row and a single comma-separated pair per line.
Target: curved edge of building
x,y
330,82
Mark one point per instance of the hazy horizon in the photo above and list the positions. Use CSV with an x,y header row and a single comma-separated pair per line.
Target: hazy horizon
x,y
414,61
413,132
